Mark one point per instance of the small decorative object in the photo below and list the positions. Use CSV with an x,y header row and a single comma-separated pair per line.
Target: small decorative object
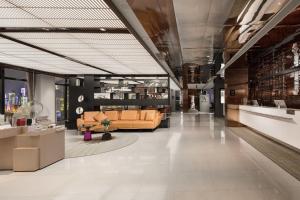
x,y
29,110
80,98
21,122
29,122
87,135
79,110
106,123
36,109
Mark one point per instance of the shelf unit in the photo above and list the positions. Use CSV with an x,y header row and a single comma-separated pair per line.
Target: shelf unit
x,y
274,77
117,91
91,84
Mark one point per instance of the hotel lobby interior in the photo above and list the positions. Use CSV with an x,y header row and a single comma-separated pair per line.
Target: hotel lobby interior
x,y
138,100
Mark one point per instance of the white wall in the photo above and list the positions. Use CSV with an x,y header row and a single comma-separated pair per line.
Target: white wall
x,y
45,94
204,103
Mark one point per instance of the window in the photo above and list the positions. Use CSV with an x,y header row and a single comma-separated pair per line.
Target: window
x,y
16,89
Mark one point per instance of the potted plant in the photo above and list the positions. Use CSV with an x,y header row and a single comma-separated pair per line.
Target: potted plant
x,y
106,123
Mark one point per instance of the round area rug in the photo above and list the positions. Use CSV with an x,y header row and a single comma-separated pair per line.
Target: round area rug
x,y
76,147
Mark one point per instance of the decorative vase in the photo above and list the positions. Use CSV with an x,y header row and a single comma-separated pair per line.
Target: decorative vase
x,y
87,136
106,136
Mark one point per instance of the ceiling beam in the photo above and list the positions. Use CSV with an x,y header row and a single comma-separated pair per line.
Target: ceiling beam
x,y
15,67
115,9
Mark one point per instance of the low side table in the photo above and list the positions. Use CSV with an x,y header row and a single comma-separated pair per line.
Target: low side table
x,y
165,122
87,134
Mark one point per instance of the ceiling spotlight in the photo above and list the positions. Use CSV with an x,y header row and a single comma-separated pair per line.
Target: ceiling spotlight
x,y
102,29
46,29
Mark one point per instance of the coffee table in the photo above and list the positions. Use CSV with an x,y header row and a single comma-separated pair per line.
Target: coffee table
x,y
106,135
89,129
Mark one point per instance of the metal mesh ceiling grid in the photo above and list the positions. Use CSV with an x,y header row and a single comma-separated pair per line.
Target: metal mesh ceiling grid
x,y
20,55
65,13
127,57
119,53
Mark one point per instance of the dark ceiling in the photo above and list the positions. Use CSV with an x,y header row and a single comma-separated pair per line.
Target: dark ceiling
x,y
158,19
197,32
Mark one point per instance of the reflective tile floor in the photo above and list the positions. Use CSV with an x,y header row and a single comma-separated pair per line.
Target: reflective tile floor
x,y
197,158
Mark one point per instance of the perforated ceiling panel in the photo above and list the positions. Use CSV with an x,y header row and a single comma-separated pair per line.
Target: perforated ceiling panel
x,y
117,53
57,13
23,56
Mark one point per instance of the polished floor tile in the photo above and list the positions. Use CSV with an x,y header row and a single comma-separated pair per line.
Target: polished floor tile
x,y
197,158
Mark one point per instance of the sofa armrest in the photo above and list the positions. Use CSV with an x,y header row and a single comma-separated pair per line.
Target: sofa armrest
x,y
158,119
80,122
161,115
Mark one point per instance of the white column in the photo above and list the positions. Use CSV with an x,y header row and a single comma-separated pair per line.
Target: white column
x,y
296,83
192,69
45,94
193,102
295,50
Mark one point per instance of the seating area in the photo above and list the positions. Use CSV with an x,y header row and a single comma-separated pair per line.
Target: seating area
x,y
124,119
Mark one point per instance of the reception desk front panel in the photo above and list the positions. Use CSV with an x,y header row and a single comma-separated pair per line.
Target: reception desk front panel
x,y
273,122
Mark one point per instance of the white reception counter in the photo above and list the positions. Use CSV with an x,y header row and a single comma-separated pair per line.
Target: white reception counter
x,y
280,124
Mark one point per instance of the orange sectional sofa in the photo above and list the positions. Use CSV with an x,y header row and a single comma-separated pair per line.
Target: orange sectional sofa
x,y
125,119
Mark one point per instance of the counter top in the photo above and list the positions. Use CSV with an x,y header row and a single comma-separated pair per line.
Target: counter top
x,y
11,132
268,111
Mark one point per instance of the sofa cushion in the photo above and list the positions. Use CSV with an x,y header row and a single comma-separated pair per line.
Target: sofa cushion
x,y
150,115
90,123
144,124
123,124
129,115
112,115
143,114
89,116
100,117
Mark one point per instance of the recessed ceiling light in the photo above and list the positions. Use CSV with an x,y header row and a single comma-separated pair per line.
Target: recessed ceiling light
x,y
102,29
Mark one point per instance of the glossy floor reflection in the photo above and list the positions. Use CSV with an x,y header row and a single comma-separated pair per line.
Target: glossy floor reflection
x,y
197,158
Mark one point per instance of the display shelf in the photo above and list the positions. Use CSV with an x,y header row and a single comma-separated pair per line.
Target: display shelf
x,y
100,92
126,102
273,77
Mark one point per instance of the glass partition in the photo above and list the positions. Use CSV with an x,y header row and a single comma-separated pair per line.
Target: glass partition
x,y
16,90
